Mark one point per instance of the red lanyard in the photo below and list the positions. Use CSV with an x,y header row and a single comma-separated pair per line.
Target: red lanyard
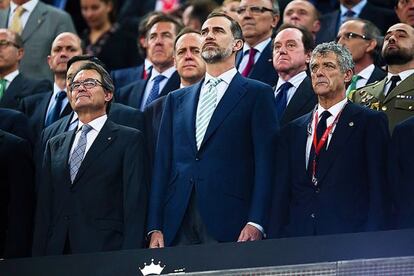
x,y
318,145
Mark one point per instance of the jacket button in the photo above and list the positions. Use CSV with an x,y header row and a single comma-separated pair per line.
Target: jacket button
x,y
312,215
197,159
384,108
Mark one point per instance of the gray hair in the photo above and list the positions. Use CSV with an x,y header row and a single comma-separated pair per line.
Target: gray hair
x,y
275,7
343,55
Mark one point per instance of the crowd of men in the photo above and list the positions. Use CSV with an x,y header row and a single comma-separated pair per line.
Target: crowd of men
x,y
256,120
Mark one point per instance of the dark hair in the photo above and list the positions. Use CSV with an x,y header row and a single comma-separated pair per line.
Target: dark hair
x,y
112,13
86,58
201,9
165,18
234,26
307,37
185,31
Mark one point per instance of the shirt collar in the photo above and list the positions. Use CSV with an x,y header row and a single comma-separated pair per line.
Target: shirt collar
x,y
11,76
296,80
96,124
147,64
28,6
167,73
259,47
403,75
335,109
56,89
226,76
356,9
367,71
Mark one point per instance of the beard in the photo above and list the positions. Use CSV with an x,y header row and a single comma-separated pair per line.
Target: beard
x,y
215,55
397,56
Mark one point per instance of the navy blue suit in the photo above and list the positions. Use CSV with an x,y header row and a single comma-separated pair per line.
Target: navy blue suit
x,y
230,174
350,196
263,69
16,123
125,76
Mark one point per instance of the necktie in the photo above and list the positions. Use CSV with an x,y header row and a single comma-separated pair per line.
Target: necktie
x,y
320,129
207,105
146,73
394,80
16,23
349,14
155,90
76,158
250,62
54,112
281,98
2,87
352,85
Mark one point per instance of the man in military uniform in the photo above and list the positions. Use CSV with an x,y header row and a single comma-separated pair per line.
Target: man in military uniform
x,y
394,95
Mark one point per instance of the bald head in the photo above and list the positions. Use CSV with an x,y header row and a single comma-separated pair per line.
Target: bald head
x,y
64,47
302,13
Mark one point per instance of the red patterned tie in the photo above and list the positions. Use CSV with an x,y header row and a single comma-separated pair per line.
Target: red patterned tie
x,y
250,62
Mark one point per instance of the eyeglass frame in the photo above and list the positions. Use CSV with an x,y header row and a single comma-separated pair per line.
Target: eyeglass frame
x,y
260,10
6,43
82,83
351,35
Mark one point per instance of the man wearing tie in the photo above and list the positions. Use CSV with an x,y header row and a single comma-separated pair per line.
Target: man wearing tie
x,y
92,194
214,151
331,163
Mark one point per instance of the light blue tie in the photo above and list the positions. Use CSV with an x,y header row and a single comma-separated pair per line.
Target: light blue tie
x,y
207,105
76,158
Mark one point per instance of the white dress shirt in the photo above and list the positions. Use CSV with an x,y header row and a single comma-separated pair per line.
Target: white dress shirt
x,y
10,77
96,125
259,50
295,81
365,74
28,6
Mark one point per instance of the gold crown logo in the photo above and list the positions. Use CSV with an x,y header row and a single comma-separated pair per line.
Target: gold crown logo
x,y
152,269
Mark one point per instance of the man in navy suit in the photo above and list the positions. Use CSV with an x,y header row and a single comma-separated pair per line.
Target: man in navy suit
x,y
161,34
92,194
331,163
292,47
213,163
257,19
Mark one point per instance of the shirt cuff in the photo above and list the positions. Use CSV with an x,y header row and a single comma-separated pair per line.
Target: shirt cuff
x,y
258,226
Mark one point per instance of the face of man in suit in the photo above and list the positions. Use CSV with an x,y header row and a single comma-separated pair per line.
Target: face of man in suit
x,y
302,13
289,55
398,47
188,60
10,54
64,47
160,45
328,80
91,101
257,26
405,11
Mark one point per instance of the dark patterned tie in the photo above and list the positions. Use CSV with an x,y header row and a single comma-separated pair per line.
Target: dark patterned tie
x,y
250,62
54,112
281,98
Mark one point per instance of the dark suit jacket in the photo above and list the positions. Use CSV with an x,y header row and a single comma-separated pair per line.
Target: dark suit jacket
x,y
382,18
35,108
123,77
377,75
133,93
21,87
231,170
16,123
302,102
400,166
263,69
350,196
105,207
16,196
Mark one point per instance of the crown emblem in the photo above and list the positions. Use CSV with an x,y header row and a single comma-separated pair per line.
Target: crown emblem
x,y
152,269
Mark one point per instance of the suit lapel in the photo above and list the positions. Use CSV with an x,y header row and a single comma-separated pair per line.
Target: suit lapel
x,y
105,137
405,86
301,139
36,18
231,97
347,123
259,68
62,150
302,95
4,18
239,57
172,84
137,93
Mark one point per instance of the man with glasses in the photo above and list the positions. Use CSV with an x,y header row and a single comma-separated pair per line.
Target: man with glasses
x,y
93,190
405,11
13,84
394,94
257,19
361,37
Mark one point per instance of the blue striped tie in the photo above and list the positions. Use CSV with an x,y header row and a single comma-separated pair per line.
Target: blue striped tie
x,y
78,153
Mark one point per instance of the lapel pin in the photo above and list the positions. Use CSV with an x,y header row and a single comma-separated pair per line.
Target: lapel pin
x,y
351,124
109,138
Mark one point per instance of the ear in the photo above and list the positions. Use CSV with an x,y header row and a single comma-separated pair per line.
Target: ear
x,y
316,26
371,46
275,20
49,61
348,75
20,54
238,44
307,57
108,96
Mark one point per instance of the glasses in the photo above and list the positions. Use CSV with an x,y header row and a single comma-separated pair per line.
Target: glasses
x,y
7,43
351,35
255,10
87,84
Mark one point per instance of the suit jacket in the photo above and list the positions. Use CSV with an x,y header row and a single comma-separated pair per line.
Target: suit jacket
x,y
350,196
21,87
123,77
133,93
302,102
398,105
105,206
16,196
400,173
377,75
382,18
74,9
263,69
35,108
16,123
231,170
44,24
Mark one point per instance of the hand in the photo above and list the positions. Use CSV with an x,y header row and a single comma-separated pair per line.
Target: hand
x,y
250,233
157,240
